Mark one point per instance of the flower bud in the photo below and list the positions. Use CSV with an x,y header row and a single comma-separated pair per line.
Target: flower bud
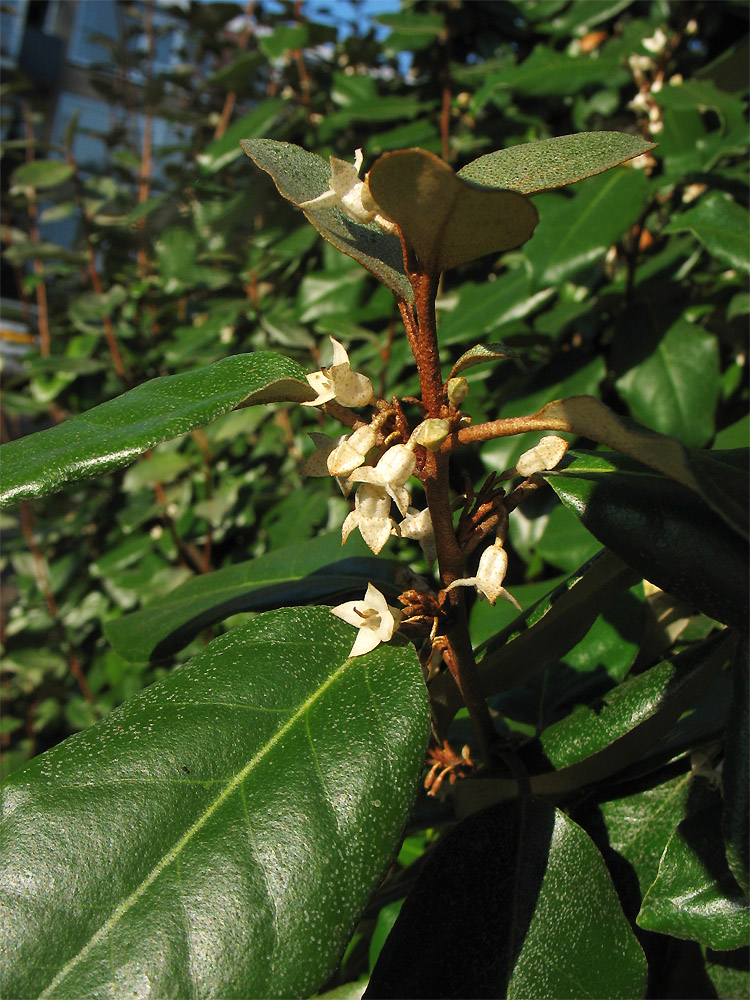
x,y
458,390
431,433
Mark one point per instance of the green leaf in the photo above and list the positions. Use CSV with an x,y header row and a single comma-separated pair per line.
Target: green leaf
x,y
112,434
661,529
301,176
309,572
721,225
546,72
506,876
480,354
227,149
576,232
40,174
180,843
735,815
670,379
479,310
285,37
694,895
447,220
552,163
639,825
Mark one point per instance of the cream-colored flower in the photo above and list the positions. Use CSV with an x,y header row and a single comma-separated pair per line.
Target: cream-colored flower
x,y
372,515
374,618
546,455
418,525
339,382
351,451
349,193
657,43
316,465
392,471
491,571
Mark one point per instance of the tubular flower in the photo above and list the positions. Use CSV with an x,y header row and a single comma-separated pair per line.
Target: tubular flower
x,y
349,194
391,472
375,619
371,514
490,575
339,382
545,455
418,525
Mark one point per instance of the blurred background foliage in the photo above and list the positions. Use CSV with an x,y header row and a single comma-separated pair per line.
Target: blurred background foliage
x,y
139,241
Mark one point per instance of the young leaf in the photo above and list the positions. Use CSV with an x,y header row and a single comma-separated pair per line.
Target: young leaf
x,y
446,219
694,895
237,812
301,176
504,879
552,163
110,435
480,354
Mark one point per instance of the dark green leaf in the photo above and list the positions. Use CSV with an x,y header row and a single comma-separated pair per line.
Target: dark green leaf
x,y
507,877
113,434
183,829
736,771
285,37
721,225
661,529
694,895
670,379
227,149
577,231
547,72
301,176
552,163
313,571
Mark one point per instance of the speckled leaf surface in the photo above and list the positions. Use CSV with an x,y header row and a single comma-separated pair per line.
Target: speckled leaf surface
x,y
447,219
480,354
695,895
552,163
301,176
533,914
233,814
735,818
662,530
112,434
301,573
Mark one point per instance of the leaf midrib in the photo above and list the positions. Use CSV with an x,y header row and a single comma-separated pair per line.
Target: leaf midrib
x,y
176,851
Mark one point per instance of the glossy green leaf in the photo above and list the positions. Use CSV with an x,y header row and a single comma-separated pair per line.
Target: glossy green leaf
x,y
531,904
447,220
669,378
540,635
552,163
661,529
576,232
235,813
729,971
546,72
639,825
112,434
736,772
301,176
40,174
478,310
694,895
721,225
302,573
722,479
480,354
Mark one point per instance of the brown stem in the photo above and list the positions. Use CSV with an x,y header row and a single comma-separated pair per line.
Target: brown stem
x,y
144,174
231,98
41,288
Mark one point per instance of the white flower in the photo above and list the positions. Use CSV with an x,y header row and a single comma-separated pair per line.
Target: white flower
x,y
339,382
546,455
418,525
375,619
316,465
371,514
391,472
490,575
351,451
349,194
657,43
